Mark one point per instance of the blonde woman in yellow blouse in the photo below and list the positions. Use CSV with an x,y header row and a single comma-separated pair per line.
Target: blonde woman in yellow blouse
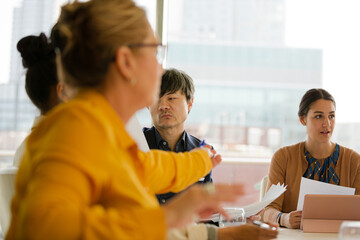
x,y
82,175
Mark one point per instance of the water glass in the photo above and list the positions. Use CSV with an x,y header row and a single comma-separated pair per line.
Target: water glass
x,y
349,230
237,216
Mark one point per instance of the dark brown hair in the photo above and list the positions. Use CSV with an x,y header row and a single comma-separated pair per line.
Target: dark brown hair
x,y
174,80
312,96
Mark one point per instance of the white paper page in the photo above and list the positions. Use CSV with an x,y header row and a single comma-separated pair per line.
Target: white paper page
x,y
274,192
309,186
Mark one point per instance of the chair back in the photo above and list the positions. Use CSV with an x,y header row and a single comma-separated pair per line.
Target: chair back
x,y
7,189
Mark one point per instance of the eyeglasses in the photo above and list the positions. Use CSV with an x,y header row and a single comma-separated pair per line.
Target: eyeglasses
x,y
160,51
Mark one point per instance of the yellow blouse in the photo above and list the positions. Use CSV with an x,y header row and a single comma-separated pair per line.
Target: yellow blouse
x,y
83,177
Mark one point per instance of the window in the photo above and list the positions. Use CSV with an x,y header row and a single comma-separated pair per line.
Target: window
x,y
252,60
21,18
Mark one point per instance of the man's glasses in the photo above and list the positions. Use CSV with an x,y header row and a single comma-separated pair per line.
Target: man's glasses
x,y
160,51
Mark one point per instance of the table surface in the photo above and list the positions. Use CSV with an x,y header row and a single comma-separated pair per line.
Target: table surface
x,y
290,234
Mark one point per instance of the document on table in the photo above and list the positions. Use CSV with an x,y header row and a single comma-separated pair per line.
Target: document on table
x,y
309,186
274,192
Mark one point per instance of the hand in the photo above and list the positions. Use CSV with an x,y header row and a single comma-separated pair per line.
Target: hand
x,y
257,216
291,219
253,218
247,231
196,202
215,157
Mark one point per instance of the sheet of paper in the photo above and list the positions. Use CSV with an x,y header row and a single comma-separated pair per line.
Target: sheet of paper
x,y
274,192
309,186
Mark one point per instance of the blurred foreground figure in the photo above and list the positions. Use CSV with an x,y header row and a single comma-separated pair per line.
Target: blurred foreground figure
x,y
82,175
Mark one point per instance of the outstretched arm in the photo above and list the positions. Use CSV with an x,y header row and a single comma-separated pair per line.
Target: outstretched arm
x,y
173,172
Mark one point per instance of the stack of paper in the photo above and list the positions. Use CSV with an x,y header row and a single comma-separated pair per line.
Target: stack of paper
x,y
274,192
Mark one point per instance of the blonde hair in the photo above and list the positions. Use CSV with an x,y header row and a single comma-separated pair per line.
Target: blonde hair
x,y
88,34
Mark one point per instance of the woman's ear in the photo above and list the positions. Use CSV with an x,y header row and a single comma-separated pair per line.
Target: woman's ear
x,y
60,90
125,63
302,120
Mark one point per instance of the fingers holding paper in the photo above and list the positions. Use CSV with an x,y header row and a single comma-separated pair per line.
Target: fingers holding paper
x,y
215,157
199,202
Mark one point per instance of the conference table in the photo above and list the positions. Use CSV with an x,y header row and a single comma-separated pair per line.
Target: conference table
x,y
297,234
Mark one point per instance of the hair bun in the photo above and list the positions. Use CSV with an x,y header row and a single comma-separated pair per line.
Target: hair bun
x,y
34,49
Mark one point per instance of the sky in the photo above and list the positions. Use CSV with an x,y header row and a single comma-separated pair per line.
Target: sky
x,y
331,25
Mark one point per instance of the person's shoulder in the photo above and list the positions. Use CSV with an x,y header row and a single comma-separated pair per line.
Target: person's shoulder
x,y
150,136
290,151
348,153
73,112
291,148
77,118
193,141
349,159
347,150
147,130
88,106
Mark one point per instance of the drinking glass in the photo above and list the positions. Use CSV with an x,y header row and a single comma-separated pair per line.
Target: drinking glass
x,y
349,230
237,216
